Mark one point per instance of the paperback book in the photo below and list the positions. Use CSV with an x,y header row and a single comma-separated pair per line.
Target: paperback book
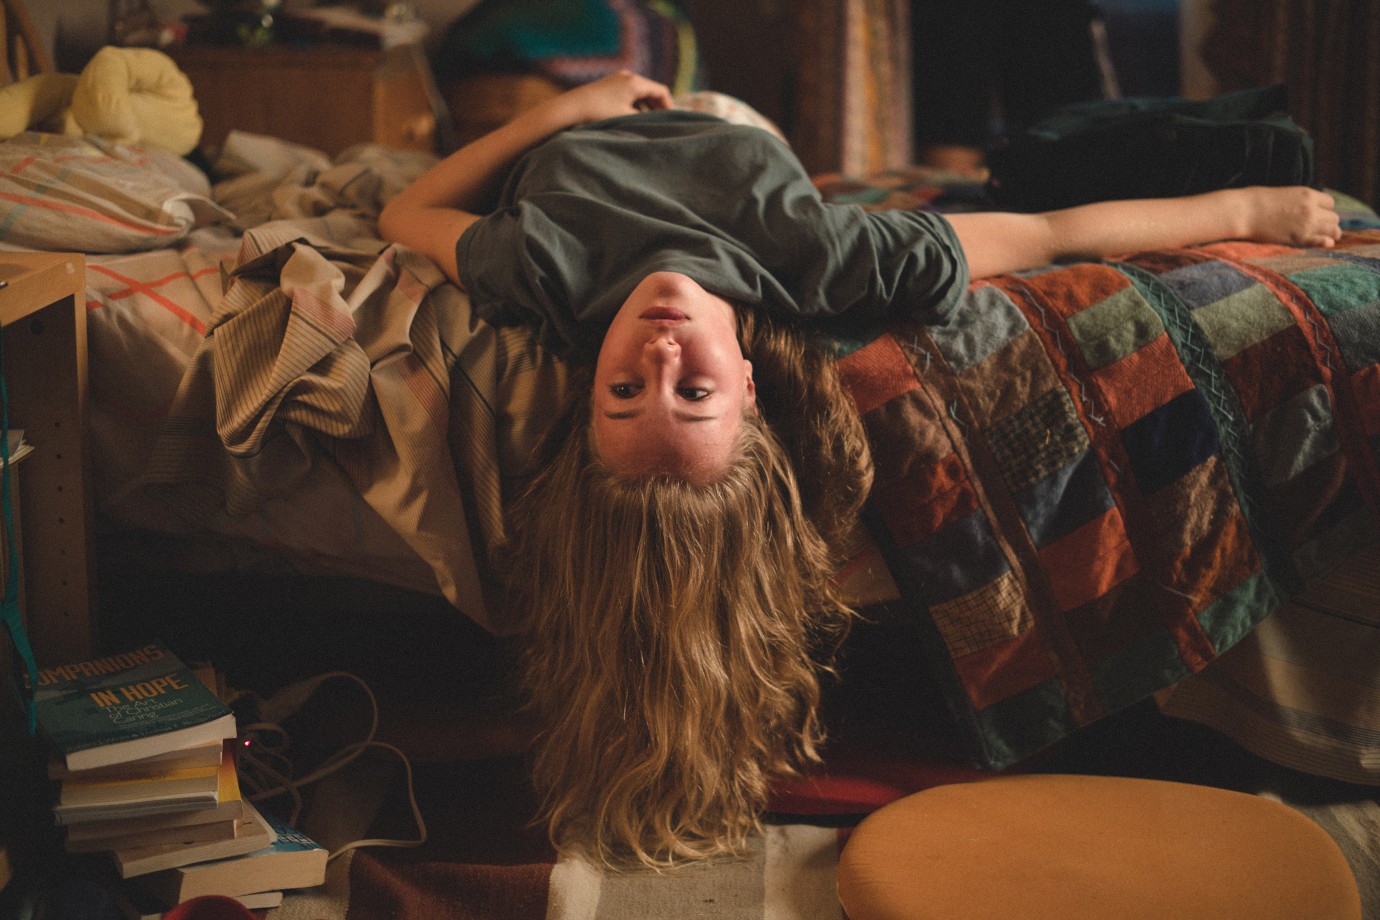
x,y
292,860
119,787
202,754
252,833
131,795
93,824
125,707
184,835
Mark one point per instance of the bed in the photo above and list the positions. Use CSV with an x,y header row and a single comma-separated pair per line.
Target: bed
x,y
1103,476
1095,481
1047,542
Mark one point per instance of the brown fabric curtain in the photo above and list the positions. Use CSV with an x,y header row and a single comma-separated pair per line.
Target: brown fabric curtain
x,y
1327,52
853,86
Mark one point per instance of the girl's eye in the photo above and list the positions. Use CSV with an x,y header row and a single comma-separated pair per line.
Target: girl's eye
x,y
623,390
694,394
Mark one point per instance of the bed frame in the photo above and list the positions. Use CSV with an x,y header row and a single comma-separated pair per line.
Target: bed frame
x,y
22,52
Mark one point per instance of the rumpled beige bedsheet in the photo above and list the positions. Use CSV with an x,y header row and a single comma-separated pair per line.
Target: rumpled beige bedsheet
x,y
338,402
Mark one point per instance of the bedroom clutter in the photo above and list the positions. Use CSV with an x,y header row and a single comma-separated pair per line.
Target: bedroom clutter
x,y
280,858
1063,847
120,791
145,761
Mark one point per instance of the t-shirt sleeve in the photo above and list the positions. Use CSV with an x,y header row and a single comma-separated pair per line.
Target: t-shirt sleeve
x,y
512,279
591,211
875,265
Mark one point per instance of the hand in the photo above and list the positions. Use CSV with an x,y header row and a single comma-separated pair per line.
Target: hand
x,y
621,93
1295,215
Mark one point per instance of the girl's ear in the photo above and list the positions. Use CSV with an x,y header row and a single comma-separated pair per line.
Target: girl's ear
x,y
751,394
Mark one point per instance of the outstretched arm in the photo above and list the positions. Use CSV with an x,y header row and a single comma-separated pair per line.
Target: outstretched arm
x,y
432,213
998,242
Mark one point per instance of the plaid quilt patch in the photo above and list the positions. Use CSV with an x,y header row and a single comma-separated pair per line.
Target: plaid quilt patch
x,y
1099,477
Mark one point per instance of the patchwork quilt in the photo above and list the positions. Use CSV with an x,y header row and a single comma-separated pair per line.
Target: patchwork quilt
x,y
1100,476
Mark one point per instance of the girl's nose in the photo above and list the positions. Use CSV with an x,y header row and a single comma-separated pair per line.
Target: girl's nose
x,y
662,350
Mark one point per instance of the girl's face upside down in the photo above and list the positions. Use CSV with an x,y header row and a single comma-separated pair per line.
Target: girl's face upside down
x,y
671,384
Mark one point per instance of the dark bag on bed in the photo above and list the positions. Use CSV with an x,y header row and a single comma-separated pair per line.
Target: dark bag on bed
x,y
1151,148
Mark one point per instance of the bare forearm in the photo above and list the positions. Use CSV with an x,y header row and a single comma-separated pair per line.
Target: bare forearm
x,y
467,178
996,243
431,213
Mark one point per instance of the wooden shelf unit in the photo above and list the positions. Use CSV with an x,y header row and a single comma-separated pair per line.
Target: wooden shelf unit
x,y
43,314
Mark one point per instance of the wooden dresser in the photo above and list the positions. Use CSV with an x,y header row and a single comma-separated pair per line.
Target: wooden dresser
x,y
327,97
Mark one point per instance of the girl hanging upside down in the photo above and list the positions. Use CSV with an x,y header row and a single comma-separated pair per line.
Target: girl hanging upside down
x,y
673,555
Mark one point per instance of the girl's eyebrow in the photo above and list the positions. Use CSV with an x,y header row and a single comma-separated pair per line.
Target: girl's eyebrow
x,y
623,414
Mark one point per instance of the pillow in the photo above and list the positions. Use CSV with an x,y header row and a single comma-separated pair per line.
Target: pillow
x,y
90,195
38,100
127,95
137,96
730,109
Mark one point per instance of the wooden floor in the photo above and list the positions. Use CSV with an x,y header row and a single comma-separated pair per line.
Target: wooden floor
x,y
1352,591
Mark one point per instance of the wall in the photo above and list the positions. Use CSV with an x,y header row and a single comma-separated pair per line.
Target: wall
x,y
68,25
746,50
735,56
746,46
1195,18
76,29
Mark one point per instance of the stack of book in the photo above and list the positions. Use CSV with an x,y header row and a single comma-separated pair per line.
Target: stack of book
x,y
144,764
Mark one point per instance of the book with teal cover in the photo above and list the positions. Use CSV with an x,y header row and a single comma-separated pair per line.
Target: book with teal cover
x,y
288,839
134,704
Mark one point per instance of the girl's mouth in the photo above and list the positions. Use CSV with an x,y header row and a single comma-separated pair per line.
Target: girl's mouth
x,y
664,314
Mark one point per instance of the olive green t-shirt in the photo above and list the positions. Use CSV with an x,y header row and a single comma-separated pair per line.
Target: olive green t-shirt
x,y
589,213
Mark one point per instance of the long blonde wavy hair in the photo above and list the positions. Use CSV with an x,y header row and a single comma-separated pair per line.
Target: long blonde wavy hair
x,y
675,634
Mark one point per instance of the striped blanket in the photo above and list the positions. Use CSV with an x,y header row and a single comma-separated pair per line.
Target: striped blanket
x,y
307,388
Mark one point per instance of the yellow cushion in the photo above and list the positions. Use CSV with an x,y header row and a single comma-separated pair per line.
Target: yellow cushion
x,y
137,96
33,101
1053,847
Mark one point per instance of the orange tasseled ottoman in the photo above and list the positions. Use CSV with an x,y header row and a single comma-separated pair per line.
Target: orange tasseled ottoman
x,y
1055,847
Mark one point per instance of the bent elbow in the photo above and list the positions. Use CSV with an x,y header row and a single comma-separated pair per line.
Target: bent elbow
x,y
390,221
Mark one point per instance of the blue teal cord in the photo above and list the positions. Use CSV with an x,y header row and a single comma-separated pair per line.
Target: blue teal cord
x,y
26,668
